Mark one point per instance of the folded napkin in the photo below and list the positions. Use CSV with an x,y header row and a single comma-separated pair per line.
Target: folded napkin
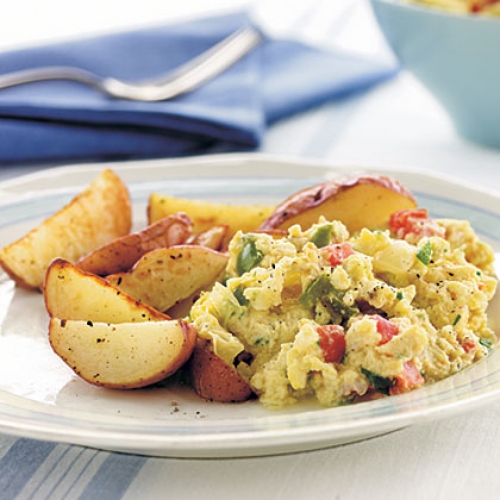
x,y
62,120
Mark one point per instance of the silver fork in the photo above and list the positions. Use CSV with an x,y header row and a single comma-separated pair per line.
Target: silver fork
x,y
181,80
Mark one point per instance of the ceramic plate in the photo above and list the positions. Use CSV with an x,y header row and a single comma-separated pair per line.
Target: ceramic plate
x,y
40,397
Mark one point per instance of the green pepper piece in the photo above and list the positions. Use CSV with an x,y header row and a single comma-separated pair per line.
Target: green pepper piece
x,y
322,236
315,291
322,290
380,384
336,300
240,297
424,254
248,258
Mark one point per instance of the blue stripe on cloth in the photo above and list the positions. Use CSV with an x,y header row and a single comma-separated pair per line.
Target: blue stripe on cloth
x,y
68,468
19,464
113,477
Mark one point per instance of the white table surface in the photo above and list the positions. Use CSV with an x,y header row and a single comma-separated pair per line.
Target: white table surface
x,y
396,124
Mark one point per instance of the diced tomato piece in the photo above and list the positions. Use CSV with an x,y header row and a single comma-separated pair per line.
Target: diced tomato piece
x,y
481,5
415,222
400,218
332,342
336,254
409,379
468,345
386,328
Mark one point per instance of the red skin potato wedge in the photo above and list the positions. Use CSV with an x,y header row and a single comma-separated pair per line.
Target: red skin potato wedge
x,y
357,201
214,379
121,254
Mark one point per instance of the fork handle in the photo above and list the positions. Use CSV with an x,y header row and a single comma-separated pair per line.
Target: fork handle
x,y
48,73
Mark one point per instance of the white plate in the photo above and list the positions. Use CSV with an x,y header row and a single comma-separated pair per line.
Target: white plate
x,y
41,398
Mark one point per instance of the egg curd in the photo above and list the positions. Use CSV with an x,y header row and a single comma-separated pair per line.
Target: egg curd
x,y
339,318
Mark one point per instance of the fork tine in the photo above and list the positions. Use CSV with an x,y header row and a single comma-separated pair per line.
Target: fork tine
x,y
231,46
194,73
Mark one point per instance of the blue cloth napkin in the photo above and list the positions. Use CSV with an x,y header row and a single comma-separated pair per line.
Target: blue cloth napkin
x,y
61,120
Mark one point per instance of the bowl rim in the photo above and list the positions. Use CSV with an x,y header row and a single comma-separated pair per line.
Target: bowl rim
x,y
439,11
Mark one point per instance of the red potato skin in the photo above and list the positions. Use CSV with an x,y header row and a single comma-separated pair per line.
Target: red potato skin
x,y
314,196
121,254
215,380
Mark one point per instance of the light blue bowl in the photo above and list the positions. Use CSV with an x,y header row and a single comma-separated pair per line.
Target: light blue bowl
x,y
456,56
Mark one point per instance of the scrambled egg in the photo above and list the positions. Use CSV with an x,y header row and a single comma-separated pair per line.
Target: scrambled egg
x,y
323,314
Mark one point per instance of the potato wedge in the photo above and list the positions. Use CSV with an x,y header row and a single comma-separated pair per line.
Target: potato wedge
x,y
125,355
358,202
165,276
206,215
122,253
100,213
71,293
211,238
181,309
214,379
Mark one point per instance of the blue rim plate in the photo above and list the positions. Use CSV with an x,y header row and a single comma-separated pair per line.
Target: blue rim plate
x,y
42,399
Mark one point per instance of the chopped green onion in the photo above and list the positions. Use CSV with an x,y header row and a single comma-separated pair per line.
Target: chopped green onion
x,y
457,319
399,295
486,343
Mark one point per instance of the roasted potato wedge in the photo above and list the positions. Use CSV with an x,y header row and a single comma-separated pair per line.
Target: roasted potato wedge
x,y
211,238
214,379
358,202
206,215
181,308
165,276
125,355
122,253
99,214
71,293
